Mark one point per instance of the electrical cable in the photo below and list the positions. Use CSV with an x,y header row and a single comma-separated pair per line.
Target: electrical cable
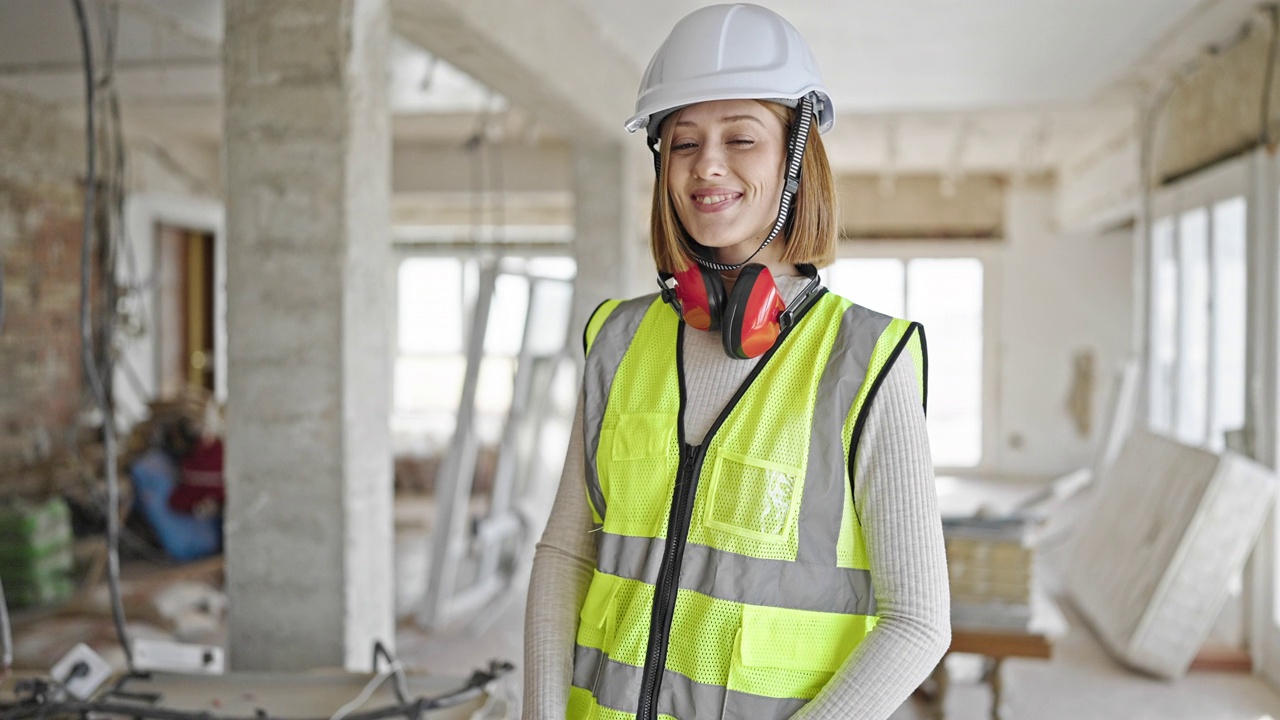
x,y
366,693
86,339
402,683
473,687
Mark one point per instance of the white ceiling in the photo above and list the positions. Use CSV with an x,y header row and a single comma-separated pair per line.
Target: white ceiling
x,y
919,85
896,56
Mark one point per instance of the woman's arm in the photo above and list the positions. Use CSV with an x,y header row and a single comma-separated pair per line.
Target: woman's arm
x,y
898,506
562,567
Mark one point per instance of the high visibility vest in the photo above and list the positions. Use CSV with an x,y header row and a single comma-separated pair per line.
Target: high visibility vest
x,y
732,577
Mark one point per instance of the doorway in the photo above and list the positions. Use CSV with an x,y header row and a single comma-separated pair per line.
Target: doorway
x,y
185,310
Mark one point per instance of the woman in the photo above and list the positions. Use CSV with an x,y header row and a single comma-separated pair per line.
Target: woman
x,y
746,526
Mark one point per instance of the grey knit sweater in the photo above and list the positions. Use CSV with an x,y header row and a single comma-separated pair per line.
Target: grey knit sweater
x,y
897,506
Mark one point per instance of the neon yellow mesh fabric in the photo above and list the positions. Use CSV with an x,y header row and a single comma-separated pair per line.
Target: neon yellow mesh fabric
x,y
615,618
753,476
916,349
639,448
581,704
852,549
702,631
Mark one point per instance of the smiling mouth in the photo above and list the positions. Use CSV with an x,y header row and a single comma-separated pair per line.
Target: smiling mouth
x,y
714,199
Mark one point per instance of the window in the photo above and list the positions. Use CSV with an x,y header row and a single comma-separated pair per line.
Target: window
x,y
436,300
1164,327
1196,378
1230,300
945,295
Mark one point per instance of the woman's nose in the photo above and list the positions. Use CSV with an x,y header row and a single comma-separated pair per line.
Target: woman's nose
x,y
709,163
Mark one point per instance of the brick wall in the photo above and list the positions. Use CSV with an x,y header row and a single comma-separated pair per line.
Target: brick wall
x,y
39,342
40,212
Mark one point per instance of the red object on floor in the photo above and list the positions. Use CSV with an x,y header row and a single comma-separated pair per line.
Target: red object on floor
x,y
201,490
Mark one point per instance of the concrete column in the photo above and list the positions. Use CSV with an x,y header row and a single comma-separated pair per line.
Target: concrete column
x,y
610,225
309,521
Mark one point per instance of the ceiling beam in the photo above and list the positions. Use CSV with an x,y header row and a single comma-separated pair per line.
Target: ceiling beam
x,y
550,57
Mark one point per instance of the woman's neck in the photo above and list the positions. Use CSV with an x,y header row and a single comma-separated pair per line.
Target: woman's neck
x,y
770,256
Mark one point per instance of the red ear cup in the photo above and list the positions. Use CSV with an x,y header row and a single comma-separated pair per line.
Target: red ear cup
x,y
751,313
701,296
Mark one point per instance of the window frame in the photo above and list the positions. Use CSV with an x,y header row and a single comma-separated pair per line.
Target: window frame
x,y
463,253
987,253
1256,177
1202,191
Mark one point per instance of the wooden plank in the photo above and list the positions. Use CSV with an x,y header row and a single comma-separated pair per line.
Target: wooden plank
x,y
1222,659
1000,644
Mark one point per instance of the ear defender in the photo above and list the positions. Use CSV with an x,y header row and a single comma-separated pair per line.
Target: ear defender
x,y
700,296
750,318
751,322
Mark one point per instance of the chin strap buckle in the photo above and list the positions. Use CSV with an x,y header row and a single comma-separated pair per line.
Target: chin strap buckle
x,y
668,293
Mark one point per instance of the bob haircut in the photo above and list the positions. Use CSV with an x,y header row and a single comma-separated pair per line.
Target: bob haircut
x,y
809,233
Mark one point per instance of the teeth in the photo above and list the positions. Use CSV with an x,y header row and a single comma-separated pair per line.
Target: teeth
x,y
713,199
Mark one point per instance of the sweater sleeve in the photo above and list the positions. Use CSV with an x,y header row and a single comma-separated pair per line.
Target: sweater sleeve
x,y
561,575
898,507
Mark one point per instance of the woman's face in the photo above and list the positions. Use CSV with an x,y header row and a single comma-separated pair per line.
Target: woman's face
x,y
725,176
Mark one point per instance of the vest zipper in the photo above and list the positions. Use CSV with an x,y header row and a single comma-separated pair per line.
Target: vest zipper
x,y
664,595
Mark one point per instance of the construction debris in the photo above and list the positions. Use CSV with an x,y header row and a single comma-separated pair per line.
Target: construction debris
x,y
1153,561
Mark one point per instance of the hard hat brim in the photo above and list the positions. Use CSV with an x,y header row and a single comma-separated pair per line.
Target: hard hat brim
x,y
655,106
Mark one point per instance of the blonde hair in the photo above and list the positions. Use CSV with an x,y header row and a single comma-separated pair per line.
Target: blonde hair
x,y
809,235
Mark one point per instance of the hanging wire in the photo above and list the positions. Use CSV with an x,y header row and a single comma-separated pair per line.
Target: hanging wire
x,y
91,369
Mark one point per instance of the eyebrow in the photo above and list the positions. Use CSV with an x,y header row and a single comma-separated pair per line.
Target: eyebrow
x,y
725,120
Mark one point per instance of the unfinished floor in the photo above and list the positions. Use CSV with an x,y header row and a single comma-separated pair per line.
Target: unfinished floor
x,y
1080,682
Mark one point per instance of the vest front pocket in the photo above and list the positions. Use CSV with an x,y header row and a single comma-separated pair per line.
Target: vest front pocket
x,y
639,475
751,498
596,620
792,654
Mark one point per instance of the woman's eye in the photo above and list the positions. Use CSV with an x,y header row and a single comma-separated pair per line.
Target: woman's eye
x,y
685,145
742,142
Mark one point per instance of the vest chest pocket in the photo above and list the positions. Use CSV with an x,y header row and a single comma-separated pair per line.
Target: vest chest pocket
x,y
638,465
755,499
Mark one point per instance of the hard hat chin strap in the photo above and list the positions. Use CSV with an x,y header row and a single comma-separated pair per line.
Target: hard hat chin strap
x,y
795,155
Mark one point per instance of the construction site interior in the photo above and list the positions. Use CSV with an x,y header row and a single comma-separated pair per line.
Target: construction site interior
x,y
291,337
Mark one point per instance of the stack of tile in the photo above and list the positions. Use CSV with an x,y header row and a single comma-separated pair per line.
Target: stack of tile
x,y
36,552
989,561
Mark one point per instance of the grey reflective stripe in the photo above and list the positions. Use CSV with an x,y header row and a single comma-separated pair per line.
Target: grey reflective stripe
x,y
743,579
617,685
826,478
620,683
607,350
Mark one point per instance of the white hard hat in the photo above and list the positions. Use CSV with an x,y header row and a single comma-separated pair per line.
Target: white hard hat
x,y
730,52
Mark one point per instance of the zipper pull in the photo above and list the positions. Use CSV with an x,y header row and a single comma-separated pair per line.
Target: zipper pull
x,y
690,453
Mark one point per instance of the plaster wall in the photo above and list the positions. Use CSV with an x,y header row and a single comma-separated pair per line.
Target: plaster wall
x,y
1061,295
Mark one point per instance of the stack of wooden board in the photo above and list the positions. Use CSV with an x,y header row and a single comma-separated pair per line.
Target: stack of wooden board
x,y
36,552
991,567
1153,561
